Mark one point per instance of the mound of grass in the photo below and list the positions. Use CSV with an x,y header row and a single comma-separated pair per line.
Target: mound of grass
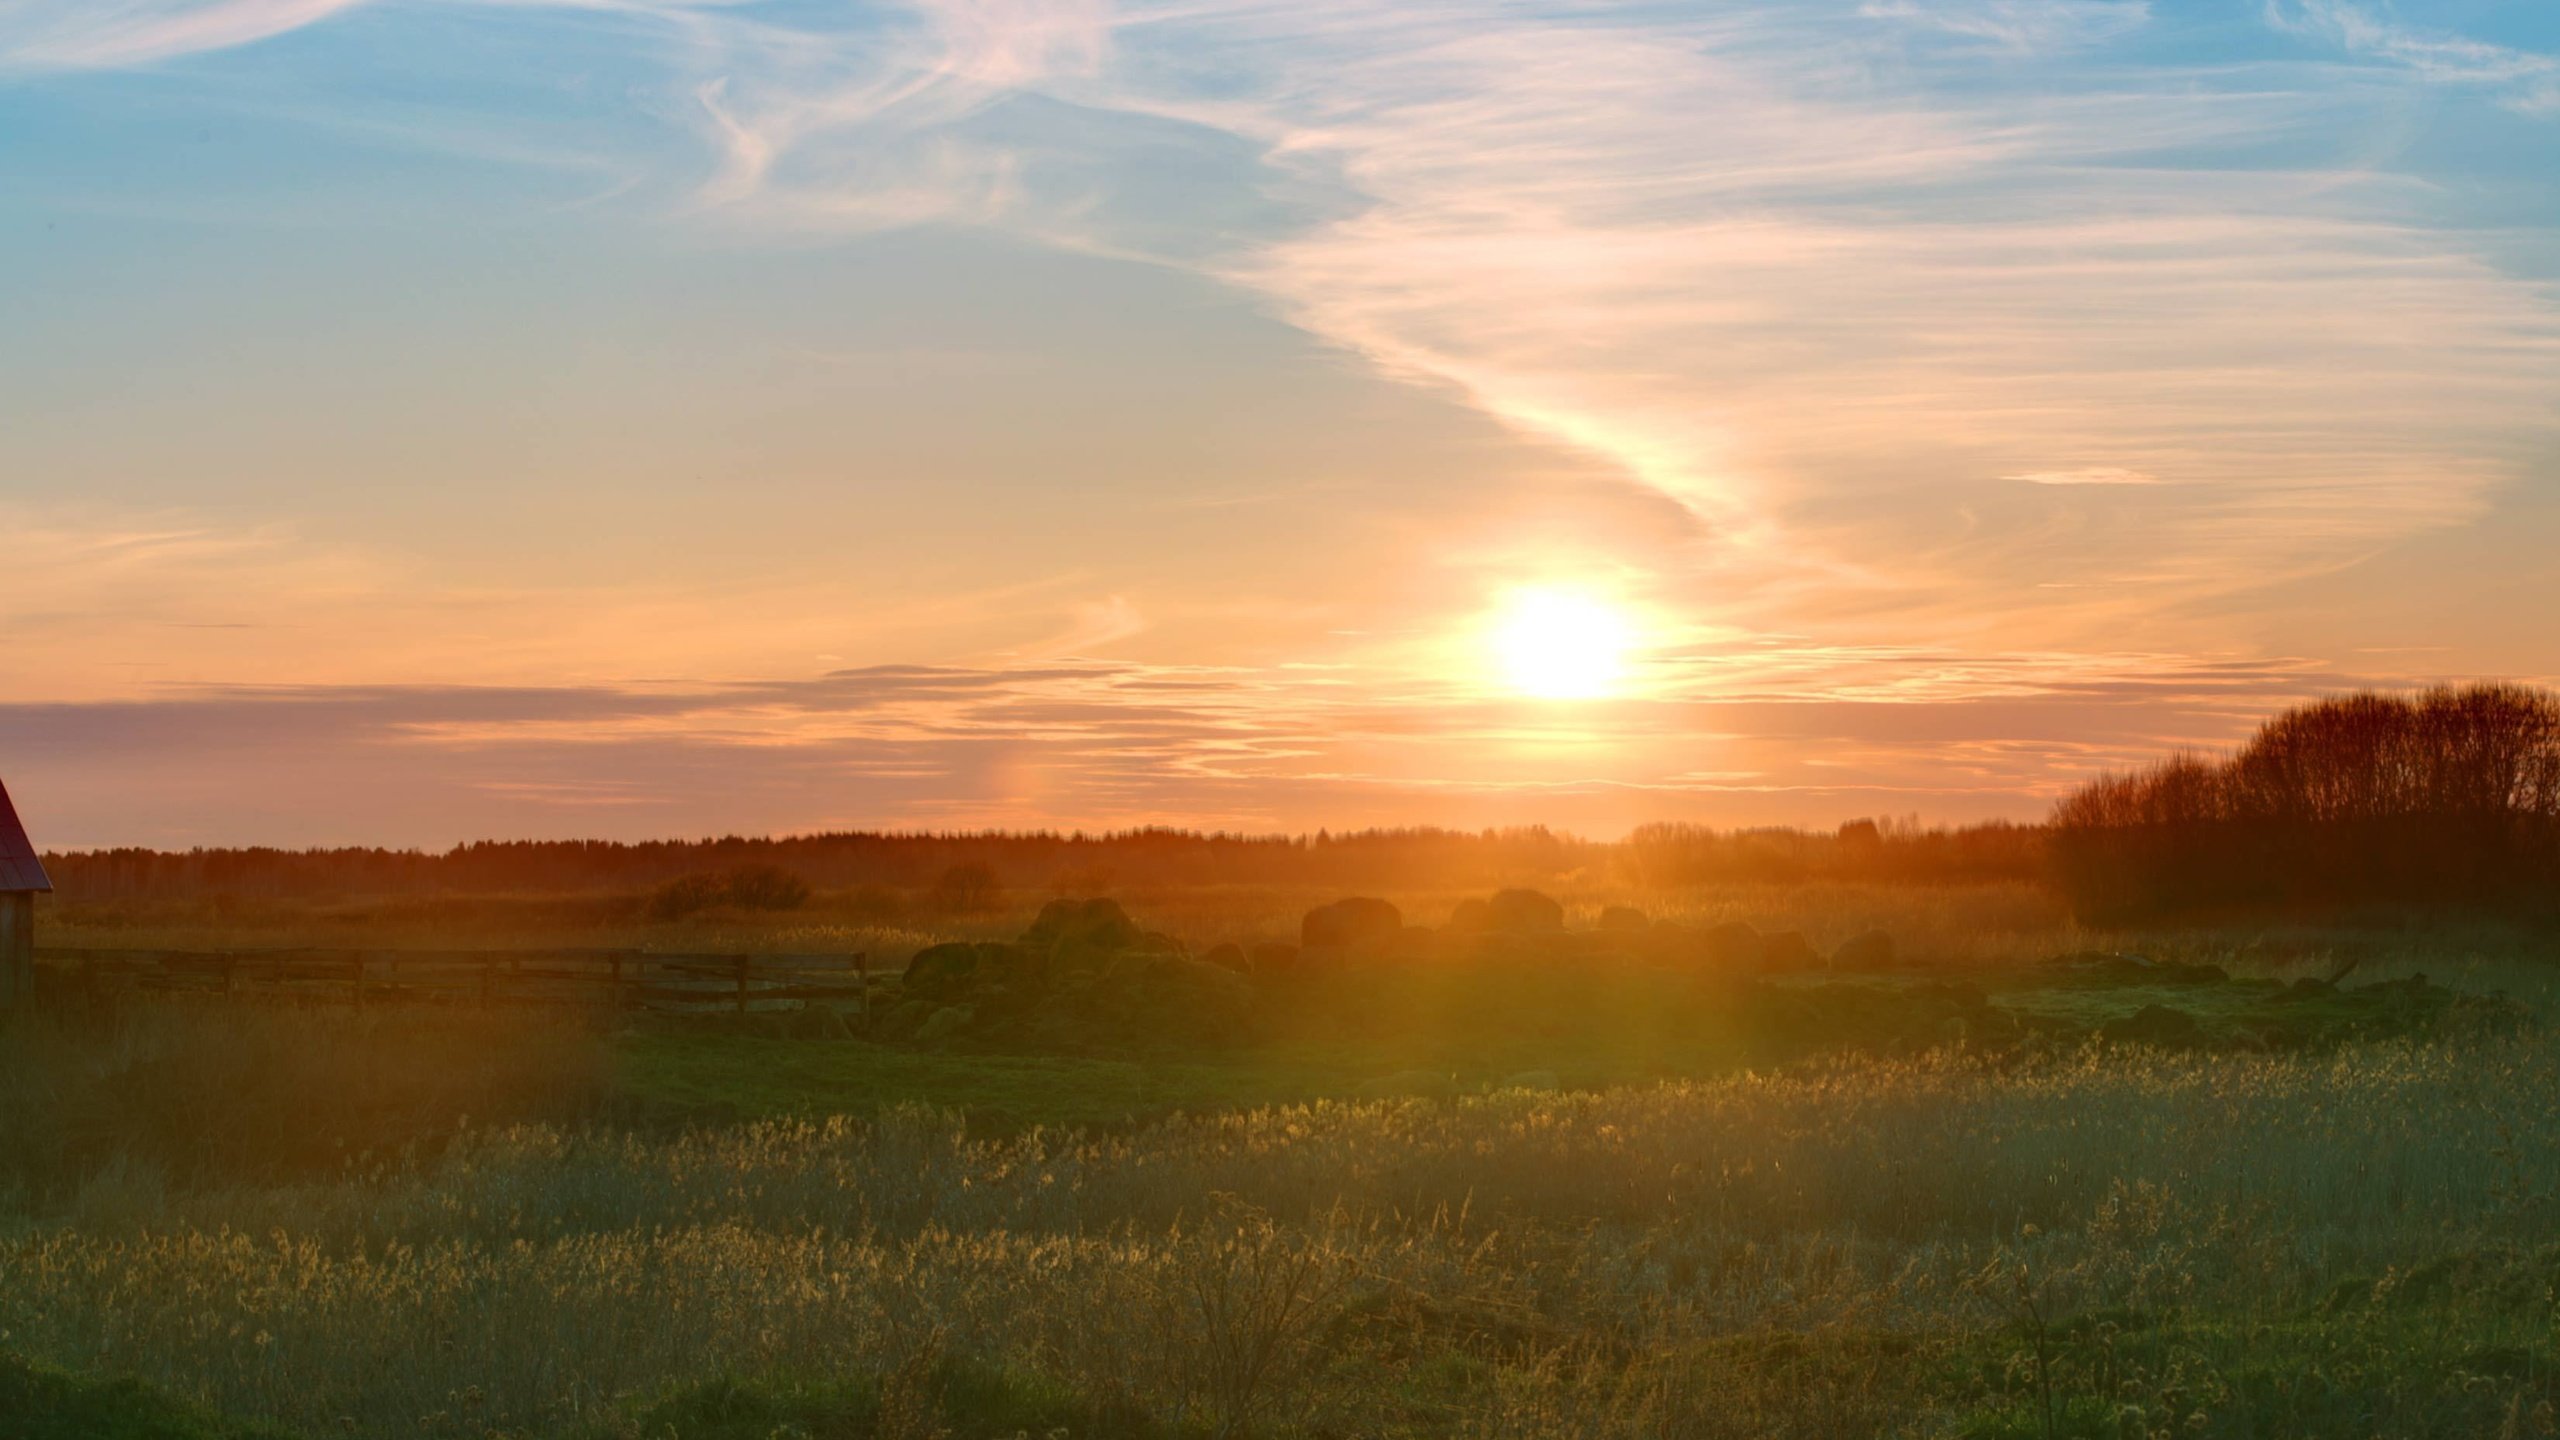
x,y
2252,1014
41,1403
950,1398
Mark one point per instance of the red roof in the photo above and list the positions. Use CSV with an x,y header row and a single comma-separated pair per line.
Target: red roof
x,y
19,867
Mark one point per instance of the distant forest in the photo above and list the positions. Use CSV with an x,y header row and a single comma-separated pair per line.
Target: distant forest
x,y
2451,796
1655,855
2447,797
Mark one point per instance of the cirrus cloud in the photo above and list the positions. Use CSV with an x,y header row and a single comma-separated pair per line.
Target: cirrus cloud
x,y
105,34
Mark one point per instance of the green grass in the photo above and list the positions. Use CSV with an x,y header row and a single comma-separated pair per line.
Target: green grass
x,y
702,1075
1819,1223
2419,1369
1630,1028
752,1077
926,1396
2259,1013
951,1397
41,1403
2283,1245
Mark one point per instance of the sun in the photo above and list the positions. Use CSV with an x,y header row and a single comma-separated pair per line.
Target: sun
x,y
1561,644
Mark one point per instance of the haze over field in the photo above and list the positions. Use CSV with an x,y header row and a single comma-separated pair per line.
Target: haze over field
x,y
423,419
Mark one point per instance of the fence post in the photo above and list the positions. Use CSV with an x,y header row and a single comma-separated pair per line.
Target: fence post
x,y
742,984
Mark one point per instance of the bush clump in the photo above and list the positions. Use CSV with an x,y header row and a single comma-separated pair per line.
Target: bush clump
x,y
965,889
747,887
1524,912
1349,922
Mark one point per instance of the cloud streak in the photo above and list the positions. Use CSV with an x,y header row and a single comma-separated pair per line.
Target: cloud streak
x,y
1802,734
2088,475
1818,288
108,34
2528,81
2020,26
1778,293
1939,353
1815,280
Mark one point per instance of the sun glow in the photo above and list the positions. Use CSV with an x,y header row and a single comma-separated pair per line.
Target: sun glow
x,y
1561,644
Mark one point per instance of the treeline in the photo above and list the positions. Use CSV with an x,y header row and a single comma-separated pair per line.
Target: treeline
x,y
829,861
2450,796
1890,851
1363,861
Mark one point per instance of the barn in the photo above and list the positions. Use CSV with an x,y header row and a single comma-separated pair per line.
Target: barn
x,y
22,878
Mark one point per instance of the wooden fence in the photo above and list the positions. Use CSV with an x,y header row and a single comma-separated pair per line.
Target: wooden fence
x,y
616,979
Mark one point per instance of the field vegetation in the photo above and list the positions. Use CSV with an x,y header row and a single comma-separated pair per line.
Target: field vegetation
x,y
1874,1133
239,1220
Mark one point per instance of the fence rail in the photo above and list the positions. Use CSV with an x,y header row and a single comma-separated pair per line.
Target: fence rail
x,y
621,979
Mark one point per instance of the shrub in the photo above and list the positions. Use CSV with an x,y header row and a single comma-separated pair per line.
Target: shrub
x,y
1524,912
1348,922
747,887
766,887
685,895
965,889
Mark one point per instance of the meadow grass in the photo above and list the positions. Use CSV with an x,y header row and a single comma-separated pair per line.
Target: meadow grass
x,y
2004,921
42,1403
1968,924
2087,1241
2361,1233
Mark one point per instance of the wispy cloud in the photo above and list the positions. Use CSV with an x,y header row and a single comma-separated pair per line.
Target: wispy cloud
x,y
1884,315
2527,80
1775,733
1810,292
103,34
1816,286
1810,285
1095,624
2023,26
99,602
2088,475
869,129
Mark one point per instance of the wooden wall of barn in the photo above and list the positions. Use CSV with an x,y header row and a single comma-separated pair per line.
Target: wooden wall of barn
x,y
17,948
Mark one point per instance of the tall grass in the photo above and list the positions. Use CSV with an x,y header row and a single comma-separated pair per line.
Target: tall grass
x,y
124,1096
415,1223
2205,1245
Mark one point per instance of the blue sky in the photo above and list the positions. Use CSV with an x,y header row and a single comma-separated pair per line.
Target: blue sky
x,y
436,418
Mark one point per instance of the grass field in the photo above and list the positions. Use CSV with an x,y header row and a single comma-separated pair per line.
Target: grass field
x,y
2019,921
1613,1218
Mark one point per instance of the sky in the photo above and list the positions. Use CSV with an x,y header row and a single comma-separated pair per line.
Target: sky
x,y
427,420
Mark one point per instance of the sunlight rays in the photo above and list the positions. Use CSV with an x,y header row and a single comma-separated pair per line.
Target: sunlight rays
x,y
1557,643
